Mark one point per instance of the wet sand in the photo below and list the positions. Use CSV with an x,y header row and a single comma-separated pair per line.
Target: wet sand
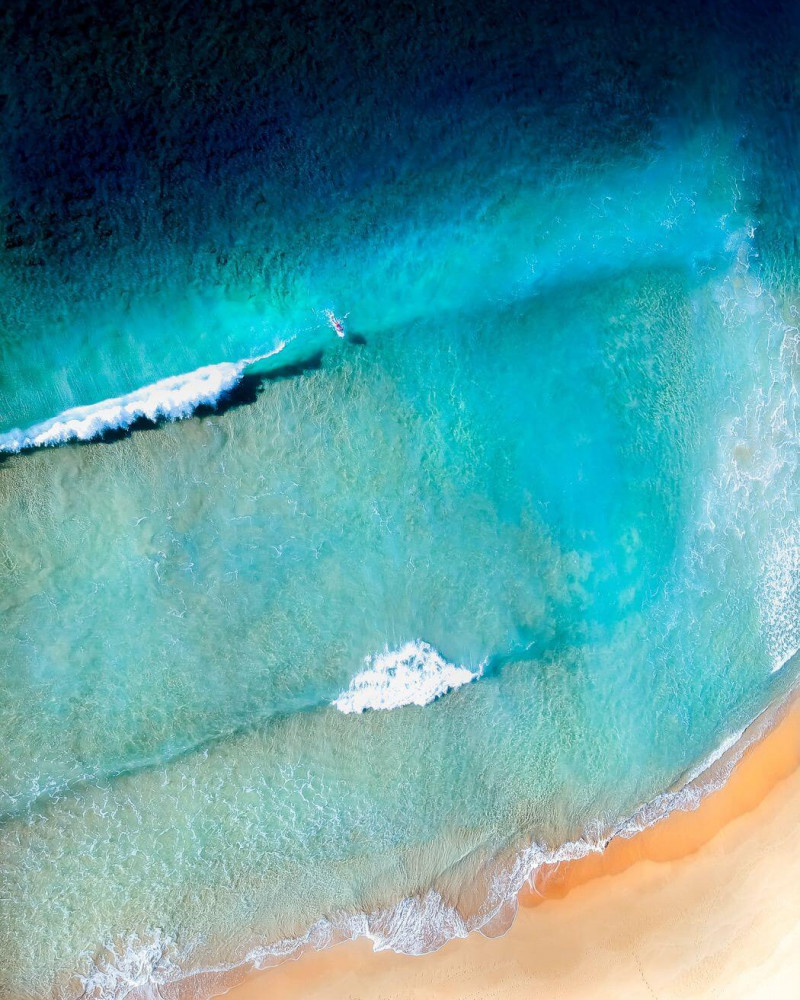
x,y
705,904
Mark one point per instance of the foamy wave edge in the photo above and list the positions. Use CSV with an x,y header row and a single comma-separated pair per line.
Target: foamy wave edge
x,y
173,398
149,968
413,674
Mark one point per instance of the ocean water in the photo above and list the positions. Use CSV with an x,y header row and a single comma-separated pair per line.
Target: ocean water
x,y
307,636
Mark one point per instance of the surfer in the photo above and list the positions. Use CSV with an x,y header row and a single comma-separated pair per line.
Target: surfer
x,y
337,324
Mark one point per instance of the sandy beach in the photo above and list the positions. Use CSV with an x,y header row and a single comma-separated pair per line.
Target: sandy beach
x,y
702,905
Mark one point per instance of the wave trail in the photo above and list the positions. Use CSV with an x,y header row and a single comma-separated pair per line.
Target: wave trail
x,y
414,674
173,398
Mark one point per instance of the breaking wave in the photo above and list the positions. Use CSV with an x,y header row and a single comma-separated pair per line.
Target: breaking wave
x,y
414,674
137,966
751,500
173,398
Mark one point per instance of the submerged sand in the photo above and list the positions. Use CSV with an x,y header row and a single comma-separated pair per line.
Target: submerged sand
x,y
704,904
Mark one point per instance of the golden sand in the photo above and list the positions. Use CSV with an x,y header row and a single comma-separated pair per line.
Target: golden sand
x,y
705,904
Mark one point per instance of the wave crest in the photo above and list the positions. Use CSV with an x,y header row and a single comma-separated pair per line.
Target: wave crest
x,y
173,398
414,674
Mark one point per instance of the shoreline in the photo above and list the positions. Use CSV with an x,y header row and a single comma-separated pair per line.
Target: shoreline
x,y
673,883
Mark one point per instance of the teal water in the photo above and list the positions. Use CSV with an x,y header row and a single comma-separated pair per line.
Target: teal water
x,y
556,450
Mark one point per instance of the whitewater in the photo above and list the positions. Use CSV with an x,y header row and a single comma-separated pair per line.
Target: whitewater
x,y
143,966
414,674
174,398
355,647
282,554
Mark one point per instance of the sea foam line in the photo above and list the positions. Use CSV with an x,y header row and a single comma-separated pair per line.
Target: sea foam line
x,y
416,925
173,398
414,674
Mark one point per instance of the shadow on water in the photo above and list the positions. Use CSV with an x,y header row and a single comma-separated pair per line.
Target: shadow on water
x,y
535,647
250,385
244,393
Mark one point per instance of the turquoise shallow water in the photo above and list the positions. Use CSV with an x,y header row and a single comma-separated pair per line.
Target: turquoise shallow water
x,y
556,454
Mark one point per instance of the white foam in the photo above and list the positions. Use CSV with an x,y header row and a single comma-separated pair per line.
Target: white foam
x,y
414,674
136,965
415,925
424,923
780,597
168,399
420,924
336,324
751,528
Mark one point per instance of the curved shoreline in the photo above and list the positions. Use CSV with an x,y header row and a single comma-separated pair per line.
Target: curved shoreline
x,y
424,927
431,934
424,930
689,857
